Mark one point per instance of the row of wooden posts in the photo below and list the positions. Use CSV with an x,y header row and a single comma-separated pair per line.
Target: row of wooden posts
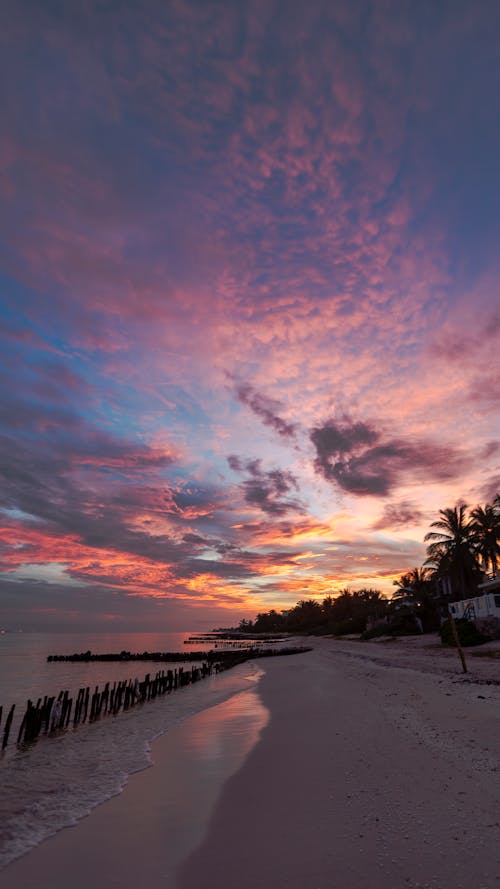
x,y
88,657
50,715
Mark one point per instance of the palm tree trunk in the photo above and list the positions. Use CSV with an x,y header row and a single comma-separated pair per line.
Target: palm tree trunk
x,y
462,582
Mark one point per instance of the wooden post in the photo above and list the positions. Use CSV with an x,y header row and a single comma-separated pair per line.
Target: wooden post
x,y
68,716
8,723
86,703
457,641
24,724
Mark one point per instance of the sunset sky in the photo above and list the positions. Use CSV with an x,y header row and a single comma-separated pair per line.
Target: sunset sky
x,y
249,260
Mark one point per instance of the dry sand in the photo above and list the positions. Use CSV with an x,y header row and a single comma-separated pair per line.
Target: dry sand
x,y
378,769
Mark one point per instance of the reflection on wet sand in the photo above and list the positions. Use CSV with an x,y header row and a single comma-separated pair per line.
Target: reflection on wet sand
x,y
214,746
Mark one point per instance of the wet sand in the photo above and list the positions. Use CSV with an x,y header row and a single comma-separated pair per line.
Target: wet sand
x,y
378,769
141,836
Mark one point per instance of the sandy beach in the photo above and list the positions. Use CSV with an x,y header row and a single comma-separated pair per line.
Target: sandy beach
x,y
355,766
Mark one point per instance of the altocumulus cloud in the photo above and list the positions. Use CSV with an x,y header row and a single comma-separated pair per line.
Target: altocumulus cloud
x,y
398,515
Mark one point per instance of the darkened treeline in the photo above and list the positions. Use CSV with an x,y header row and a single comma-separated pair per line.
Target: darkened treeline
x,y
463,552
346,613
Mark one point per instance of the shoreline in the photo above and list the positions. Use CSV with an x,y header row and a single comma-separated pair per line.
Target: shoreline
x,y
377,775
94,764
162,812
371,772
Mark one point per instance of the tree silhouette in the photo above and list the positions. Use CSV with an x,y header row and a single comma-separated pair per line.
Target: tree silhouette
x,y
452,546
415,588
485,527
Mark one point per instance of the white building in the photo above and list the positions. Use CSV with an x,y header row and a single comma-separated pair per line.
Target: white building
x,y
485,605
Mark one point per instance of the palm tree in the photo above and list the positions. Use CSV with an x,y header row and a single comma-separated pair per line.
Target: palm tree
x,y
451,547
485,526
415,589
418,577
409,584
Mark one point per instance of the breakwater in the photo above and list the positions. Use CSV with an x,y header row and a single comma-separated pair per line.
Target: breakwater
x,y
157,656
176,656
232,634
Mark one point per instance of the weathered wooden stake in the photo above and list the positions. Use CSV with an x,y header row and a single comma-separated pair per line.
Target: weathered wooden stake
x,y
457,642
8,723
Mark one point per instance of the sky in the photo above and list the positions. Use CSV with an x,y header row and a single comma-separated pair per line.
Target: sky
x,y
249,300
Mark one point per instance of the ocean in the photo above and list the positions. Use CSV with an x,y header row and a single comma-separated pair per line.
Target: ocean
x,y
53,782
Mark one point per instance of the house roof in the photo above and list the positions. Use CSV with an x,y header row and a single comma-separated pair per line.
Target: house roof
x,y
489,585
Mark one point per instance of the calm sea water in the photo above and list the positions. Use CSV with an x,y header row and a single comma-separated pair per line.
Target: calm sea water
x,y
57,780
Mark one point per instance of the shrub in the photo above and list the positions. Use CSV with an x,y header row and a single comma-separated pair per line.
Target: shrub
x,y
348,626
489,627
468,633
404,623
377,630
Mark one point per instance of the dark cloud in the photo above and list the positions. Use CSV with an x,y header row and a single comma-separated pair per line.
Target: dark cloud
x,y
489,449
15,413
357,458
195,538
40,605
333,438
87,487
64,434
235,463
222,569
192,501
60,480
398,515
57,383
267,490
81,495
490,490
265,408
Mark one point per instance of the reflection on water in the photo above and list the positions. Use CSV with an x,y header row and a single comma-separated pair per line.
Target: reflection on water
x,y
25,673
209,749
223,735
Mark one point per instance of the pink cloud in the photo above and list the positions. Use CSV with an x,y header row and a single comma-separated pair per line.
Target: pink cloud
x,y
185,208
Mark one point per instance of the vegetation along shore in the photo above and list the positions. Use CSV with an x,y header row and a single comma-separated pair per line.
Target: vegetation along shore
x,y
463,550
